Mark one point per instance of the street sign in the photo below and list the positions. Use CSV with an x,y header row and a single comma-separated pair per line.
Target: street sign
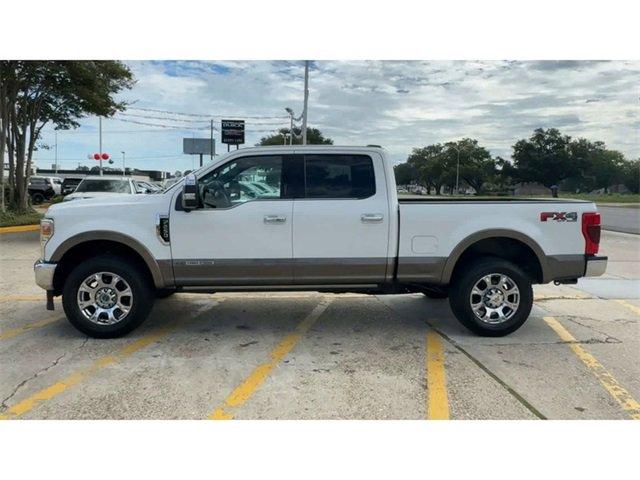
x,y
198,146
233,132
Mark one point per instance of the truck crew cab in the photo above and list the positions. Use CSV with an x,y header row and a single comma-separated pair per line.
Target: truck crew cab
x,y
321,218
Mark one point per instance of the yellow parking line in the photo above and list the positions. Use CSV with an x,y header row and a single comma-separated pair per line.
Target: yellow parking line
x,y
57,388
20,228
630,306
23,298
246,389
619,394
437,399
25,328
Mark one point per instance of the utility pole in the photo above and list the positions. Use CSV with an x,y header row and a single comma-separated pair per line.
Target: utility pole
x,y
124,170
100,139
212,144
306,101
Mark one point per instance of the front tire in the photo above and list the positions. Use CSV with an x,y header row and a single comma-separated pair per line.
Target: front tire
x,y
107,296
491,297
164,293
37,198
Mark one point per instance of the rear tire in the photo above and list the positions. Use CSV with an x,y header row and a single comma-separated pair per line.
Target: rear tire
x,y
37,198
107,296
501,301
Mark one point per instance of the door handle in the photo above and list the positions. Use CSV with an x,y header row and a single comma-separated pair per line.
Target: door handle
x,y
275,218
371,217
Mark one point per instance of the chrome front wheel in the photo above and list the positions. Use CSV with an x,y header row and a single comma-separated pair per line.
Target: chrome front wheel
x,y
105,298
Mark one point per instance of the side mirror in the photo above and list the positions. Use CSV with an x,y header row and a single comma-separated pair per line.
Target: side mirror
x,y
190,193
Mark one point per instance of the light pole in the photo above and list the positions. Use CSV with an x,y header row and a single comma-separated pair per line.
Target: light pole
x,y
124,170
457,168
290,112
56,151
100,141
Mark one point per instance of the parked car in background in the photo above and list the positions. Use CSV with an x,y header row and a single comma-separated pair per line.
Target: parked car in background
x,y
102,186
69,185
56,184
40,189
147,187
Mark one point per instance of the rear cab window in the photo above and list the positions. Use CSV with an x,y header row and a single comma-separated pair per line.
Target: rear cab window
x,y
331,176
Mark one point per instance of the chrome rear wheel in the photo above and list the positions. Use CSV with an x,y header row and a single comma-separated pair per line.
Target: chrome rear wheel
x,y
495,298
491,296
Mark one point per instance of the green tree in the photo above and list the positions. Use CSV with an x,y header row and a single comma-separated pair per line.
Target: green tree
x,y
596,166
477,167
314,137
631,175
544,158
436,165
406,174
37,93
432,166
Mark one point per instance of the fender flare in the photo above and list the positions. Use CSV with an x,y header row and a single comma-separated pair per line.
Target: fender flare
x,y
161,272
459,249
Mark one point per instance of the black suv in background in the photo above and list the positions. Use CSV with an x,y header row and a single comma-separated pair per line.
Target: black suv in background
x,y
69,185
40,190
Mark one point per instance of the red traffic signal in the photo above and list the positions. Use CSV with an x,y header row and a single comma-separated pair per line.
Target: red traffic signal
x,y
96,156
100,156
105,156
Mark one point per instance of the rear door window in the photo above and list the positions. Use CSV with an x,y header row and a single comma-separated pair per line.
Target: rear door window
x,y
339,176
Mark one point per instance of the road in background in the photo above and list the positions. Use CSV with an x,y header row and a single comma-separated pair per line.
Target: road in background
x,y
620,219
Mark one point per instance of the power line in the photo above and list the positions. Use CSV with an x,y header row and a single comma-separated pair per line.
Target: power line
x,y
186,120
155,117
176,127
202,115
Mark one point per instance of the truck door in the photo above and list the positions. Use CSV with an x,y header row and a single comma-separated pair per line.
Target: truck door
x,y
341,220
241,234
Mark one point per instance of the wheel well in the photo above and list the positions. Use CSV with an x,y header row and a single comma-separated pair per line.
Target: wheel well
x,y
93,248
506,248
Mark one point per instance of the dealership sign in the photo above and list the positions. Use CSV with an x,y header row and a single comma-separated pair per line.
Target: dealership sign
x,y
233,132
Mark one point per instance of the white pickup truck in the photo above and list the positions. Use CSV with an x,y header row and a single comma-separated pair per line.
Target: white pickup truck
x,y
321,218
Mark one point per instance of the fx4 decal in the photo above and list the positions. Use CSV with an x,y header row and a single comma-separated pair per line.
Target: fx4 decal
x,y
559,216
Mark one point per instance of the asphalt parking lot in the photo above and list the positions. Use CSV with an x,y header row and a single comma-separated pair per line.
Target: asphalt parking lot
x,y
317,356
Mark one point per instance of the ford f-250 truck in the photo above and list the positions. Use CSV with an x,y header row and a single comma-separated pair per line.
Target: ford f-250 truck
x,y
319,218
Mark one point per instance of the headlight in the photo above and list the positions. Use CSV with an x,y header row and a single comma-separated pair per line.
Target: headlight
x,y
46,232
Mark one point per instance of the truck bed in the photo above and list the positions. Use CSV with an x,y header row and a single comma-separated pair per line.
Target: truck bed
x,y
434,231
409,199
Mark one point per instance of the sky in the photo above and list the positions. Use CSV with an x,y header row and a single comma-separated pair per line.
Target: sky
x,y
397,104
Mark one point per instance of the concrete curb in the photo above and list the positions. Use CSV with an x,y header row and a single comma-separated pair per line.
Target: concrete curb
x,y
20,228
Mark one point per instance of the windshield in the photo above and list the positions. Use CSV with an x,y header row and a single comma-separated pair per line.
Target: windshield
x,y
112,186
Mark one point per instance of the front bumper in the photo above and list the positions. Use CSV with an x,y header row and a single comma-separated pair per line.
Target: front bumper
x,y
596,266
44,273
